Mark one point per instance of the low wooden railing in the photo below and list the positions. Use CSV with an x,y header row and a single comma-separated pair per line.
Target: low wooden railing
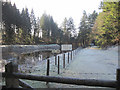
x,y
64,80
12,77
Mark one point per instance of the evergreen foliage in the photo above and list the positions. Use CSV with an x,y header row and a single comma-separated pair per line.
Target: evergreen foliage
x,y
24,28
106,30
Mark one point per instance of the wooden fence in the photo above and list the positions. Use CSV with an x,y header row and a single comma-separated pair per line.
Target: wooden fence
x,y
12,77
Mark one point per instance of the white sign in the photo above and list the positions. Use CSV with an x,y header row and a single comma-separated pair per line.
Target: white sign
x,y
55,51
66,47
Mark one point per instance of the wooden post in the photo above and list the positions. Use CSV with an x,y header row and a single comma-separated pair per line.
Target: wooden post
x,y
68,57
48,68
55,59
71,55
118,79
11,82
64,60
74,52
58,64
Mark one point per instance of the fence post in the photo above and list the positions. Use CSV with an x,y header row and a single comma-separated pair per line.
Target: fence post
x,y
64,60
58,64
74,51
118,79
55,59
11,82
71,55
68,57
48,68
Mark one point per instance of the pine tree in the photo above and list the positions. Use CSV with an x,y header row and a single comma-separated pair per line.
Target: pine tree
x,y
106,27
70,27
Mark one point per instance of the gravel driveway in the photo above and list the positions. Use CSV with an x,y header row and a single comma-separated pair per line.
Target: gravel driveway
x,y
88,63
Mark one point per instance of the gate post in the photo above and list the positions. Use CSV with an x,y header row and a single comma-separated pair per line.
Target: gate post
x,y
48,68
118,79
11,82
68,57
55,59
71,55
58,64
64,60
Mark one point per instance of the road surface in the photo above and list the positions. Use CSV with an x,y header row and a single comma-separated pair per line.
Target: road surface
x,y
88,63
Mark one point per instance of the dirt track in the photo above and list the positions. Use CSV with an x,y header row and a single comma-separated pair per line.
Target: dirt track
x,y
92,63
88,63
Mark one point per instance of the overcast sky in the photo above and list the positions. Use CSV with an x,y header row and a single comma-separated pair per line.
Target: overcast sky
x,y
60,9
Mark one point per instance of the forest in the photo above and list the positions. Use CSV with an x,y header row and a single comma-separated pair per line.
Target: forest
x,y
24,28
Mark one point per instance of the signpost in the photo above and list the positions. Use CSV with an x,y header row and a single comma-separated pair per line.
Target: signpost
x,y
66,47
55,51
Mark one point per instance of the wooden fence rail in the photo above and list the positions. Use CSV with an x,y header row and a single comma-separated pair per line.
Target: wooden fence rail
x,y
64,80
12,79
24,84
